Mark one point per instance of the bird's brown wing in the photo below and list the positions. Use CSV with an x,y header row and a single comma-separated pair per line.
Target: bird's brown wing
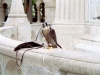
x,y
53,35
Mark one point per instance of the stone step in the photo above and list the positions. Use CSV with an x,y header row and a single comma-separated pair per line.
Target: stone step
x,y
87,48
90,38
88,43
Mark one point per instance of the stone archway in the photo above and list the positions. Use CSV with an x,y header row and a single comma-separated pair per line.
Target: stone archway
x,y
12,68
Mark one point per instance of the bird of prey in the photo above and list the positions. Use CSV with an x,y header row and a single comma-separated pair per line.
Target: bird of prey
x,y
50,35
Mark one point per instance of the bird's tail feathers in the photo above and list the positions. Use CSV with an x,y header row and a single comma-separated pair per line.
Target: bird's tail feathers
x,y
59,46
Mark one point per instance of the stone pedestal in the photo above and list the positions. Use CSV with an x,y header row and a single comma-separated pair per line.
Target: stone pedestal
x,y
18,18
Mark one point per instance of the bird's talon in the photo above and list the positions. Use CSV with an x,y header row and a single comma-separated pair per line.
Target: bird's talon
x,y
49,47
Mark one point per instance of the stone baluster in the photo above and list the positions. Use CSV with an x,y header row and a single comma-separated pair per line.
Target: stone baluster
x,y
15,7
18,18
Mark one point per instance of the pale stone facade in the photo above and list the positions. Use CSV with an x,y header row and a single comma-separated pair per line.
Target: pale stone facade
x,y
77,32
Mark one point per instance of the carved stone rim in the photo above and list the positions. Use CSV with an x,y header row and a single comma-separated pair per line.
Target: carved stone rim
x,y
17,15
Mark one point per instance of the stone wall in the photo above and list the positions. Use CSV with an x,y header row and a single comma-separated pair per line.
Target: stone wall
x,y
46,62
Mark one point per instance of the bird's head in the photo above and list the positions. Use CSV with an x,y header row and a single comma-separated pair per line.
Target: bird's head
x,y
45,26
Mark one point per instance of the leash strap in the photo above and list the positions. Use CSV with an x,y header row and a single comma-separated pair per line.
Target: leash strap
x,y
27,50
23,55
21,58
38,34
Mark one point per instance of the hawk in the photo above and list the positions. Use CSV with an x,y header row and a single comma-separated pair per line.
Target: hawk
x,y
50,35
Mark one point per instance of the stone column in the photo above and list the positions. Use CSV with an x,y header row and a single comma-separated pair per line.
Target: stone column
x,y
77,9
62,10
18,18
86,10
72,10
57,12
69,21
67,10
82,10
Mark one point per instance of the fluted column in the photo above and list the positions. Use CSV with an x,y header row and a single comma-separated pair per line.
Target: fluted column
x,y
86,10
77,10
67,12
57,12
62,10
72,10
82,10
